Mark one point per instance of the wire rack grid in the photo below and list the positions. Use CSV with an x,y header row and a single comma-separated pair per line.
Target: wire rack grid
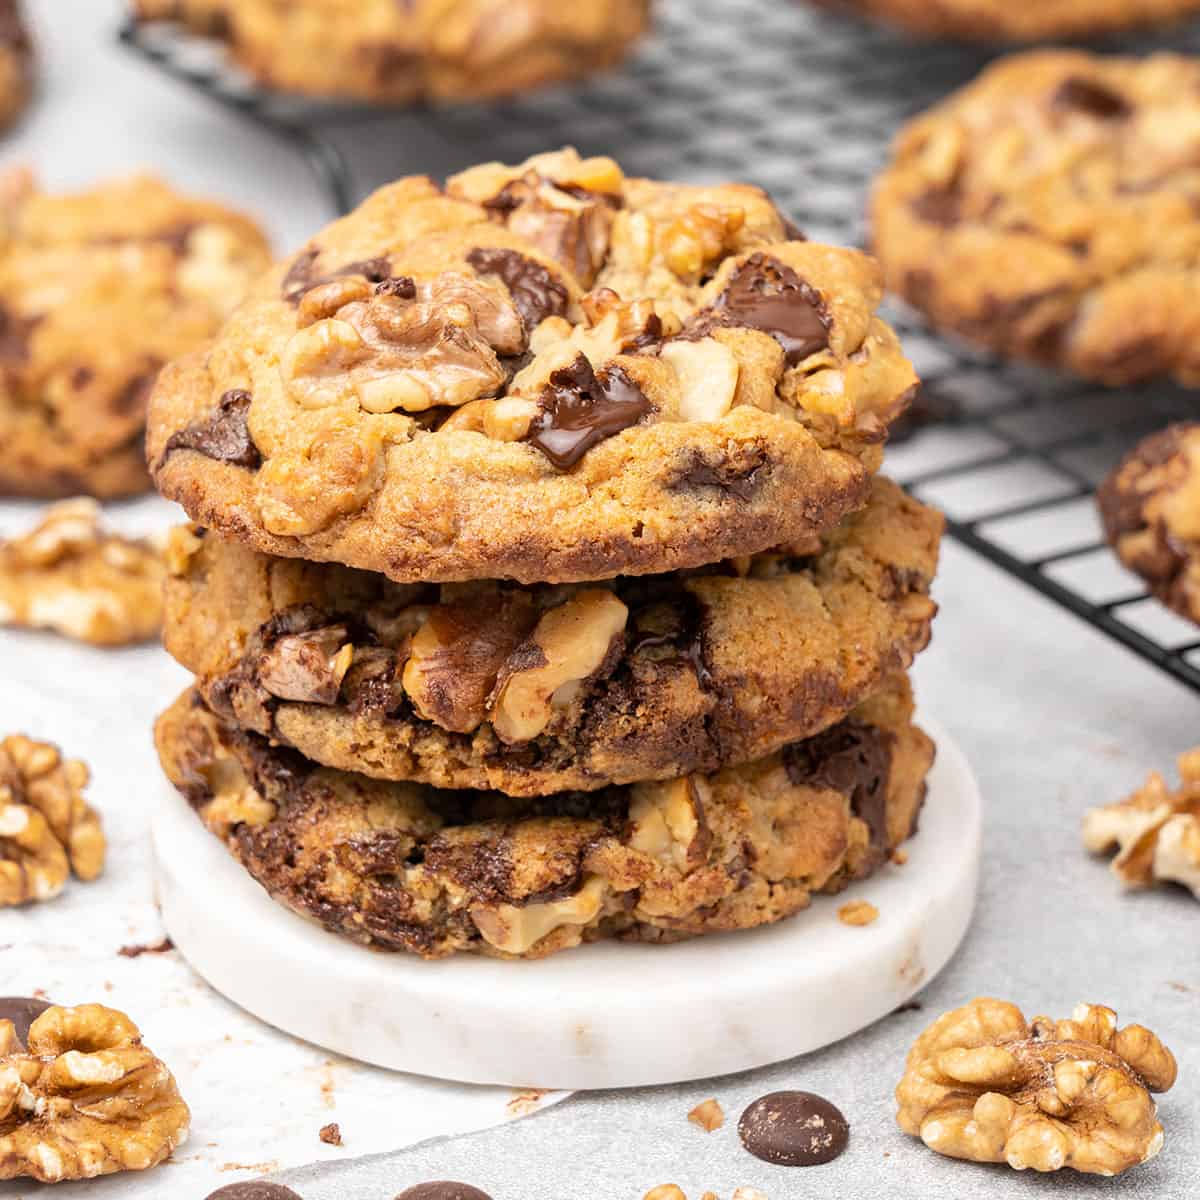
x,y
803,103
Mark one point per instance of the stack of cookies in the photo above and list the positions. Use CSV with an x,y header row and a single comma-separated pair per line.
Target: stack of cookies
x,y
542,588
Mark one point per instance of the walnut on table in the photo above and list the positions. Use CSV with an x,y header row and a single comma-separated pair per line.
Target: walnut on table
x,y
70,575
86,1098
982,1083
47,829
1156,832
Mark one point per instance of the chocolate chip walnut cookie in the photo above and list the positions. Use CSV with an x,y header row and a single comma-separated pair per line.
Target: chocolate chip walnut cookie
x,y
405,867
1002,20
1048,212
97,290
1150,507
546,373
540,689
402,51
16,62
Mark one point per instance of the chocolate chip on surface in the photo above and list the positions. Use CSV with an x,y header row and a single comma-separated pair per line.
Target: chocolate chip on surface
x,y
442,1189
253,1189
22,1011
794,1129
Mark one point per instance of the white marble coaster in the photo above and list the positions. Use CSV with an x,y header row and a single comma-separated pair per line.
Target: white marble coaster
x,y
604,1015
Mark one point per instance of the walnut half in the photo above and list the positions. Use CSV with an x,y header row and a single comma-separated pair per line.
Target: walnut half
x,y
984,1084
85,1099
47,829
1156,832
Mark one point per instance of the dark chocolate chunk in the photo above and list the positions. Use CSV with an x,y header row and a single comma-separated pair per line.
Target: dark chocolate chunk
x,y
22,1011
223,434
940,206
15,332
794,1129
300,276
253,1189
1094,99
766,295
443,1190
740,477
580,409
535,291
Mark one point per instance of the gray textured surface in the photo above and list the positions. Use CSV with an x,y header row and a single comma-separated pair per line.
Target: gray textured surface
x,y
1053,716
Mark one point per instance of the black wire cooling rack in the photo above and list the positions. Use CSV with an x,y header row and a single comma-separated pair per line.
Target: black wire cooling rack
x,y
804,104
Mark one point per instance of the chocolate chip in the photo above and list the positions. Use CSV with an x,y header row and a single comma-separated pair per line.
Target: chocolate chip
x,y
443,1190
794,1129
1094,99
580,409
253,1189
940,206
22,1011
766,295
535,292
222,435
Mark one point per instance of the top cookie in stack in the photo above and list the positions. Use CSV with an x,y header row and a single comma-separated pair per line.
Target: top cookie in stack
x,y
556,486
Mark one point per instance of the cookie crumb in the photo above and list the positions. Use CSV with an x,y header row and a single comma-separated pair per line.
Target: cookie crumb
x,y
858,912
331,1134
899,856
665,1191
709,1115
749,1194
136,951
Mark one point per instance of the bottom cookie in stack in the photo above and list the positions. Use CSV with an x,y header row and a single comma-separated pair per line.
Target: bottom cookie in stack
x,y
402,866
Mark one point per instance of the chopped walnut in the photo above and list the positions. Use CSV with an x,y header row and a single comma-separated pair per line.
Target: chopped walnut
x,y
700,236
1156,832
708,377
858,912
71,575
982,1083
667,821
307,667
516,929
567,647
709,1115
665,1191
47,829
85,1099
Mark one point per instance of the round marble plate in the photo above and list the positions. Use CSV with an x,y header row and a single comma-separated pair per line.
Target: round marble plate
x,y
603,1015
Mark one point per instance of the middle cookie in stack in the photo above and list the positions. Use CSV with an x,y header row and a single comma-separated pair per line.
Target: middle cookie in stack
x,y
543,591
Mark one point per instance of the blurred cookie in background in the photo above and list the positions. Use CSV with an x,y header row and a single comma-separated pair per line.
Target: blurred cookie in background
x,y
1047,211
1005,21
16,62
384,52
98,289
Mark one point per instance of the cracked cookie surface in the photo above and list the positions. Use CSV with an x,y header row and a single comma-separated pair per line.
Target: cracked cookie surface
x,y
1048,212
546,373
539,689
1150,508
407,868
1001,20
387,52
97,290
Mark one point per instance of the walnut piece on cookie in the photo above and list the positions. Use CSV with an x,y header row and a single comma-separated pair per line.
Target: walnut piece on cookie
x,y
71,575
982,1083
84,1098
98,289
545,372
1155,831
47,829
1047,212
1150,509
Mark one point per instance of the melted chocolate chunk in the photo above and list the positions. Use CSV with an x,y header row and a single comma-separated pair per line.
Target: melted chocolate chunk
x,y
740,477
443,1189
300,277
535,292
581,409
253,1189
1094,99
852,758
794,1129
766,295
22,1011
940,206
222,435
15,332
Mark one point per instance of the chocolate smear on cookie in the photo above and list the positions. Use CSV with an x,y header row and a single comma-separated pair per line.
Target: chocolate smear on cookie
x,y
579,409
222,435
534,290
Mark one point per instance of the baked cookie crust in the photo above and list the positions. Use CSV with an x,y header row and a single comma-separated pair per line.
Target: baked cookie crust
x,y
545,373
386,52
98,289
1048,212
406,868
